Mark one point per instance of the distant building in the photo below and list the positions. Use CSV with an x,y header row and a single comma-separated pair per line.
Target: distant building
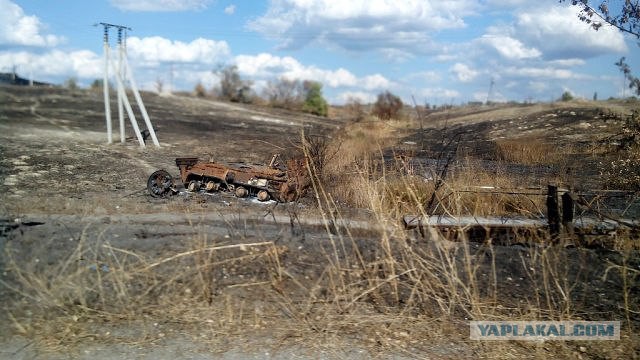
x,y
14,79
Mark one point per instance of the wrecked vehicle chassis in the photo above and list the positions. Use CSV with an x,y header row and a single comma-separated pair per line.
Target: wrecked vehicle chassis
x,y
265,182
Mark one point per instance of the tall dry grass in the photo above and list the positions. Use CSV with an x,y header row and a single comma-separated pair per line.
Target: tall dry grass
x,y
436,278
93,289
530,150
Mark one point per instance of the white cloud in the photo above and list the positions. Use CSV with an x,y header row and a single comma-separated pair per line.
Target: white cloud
x,y
376,81
559,34
82,64
186,63
362,25
567,62
209,79
268,66
396,55
444,58
463,72
428,76
509,47
154,50
543,72
361,96
16,28
160,5
230,10
507,3
441,94
538,86
496,97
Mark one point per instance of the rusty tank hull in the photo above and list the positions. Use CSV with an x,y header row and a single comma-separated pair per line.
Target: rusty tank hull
x,y
264,182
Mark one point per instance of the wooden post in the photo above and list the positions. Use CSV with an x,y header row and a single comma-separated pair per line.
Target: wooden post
x,y
553,212
568,210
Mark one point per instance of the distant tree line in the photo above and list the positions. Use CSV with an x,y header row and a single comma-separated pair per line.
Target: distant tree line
x,y
288,94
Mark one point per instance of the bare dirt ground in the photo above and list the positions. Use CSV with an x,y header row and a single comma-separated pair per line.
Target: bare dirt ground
x,y
63,187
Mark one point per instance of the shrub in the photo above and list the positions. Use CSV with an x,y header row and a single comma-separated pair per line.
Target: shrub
x,y
284,93
71,83
314,103
199,90
566,96
232,87
387,106
354,109
97,84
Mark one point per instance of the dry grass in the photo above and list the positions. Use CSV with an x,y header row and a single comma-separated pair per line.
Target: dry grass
x,y
445,280
96,283
530,150
451,281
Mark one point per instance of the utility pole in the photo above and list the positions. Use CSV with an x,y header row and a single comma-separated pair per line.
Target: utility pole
x,y
105,83
120,90
121,72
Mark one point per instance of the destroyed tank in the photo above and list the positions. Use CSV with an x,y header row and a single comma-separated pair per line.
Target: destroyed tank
x,y
264,182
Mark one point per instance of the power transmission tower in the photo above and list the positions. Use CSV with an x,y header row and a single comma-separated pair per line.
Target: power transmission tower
x,y
489,93
122,72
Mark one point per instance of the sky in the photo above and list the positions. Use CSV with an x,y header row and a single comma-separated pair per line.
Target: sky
x,y
427,51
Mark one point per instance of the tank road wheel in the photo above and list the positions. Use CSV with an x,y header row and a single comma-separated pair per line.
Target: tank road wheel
x,y
263,195
241,192
193,186
160,183
212,186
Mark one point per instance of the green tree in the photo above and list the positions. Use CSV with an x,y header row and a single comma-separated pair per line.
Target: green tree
x,y
314,102
566,96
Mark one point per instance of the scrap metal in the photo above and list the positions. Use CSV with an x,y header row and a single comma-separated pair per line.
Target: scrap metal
x,y
264,182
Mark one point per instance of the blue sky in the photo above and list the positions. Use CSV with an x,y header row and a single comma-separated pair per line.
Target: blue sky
x,y
435,51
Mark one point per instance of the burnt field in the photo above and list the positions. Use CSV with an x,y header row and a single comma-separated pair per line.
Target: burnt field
x,y
94,267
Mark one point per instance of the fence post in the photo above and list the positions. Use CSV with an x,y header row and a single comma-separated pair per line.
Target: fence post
x,y
553,212
568,211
